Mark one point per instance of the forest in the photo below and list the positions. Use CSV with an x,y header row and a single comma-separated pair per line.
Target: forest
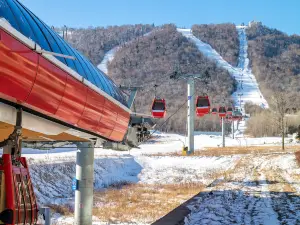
x,y
275,61
222,37
94,42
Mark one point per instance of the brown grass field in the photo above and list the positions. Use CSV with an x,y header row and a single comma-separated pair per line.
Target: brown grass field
x,y
137,202
218,151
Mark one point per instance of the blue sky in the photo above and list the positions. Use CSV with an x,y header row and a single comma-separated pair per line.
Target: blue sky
x,y
281,14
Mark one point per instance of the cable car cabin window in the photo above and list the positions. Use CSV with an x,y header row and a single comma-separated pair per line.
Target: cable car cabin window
x,y
158,106
202,102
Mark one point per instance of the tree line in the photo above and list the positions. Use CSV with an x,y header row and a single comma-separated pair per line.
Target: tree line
x,y
275,61
94,42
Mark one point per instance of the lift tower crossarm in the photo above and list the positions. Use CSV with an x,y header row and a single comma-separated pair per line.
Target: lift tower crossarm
x,y
133,92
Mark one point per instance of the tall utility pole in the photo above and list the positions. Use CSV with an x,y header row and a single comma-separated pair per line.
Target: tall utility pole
x,y
190,114
84,183
190,79
223,132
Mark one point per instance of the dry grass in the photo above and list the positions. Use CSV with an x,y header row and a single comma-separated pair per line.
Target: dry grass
x,y
217,151
62,210
143,203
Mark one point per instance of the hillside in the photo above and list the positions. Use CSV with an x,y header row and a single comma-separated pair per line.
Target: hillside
x,y
95,42
275,60
222,37
151,59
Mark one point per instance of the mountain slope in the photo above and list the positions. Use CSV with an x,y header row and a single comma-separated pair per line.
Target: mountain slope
x,y
275,60
222,37
95,42
247,87
151,59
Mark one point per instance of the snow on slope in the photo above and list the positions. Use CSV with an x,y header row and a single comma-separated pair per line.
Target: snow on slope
x,y
108,57
247,89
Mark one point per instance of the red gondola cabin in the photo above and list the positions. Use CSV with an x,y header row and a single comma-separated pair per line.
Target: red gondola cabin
x,y
222,111
202,106
158,108
229,111
214,111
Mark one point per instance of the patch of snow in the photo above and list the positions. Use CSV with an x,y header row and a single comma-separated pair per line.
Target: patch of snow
x,y
108,57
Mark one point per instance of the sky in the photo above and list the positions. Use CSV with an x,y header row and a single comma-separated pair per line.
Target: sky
x,y
280,14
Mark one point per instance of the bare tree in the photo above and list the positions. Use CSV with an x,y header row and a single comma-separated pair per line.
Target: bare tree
x,y
280,106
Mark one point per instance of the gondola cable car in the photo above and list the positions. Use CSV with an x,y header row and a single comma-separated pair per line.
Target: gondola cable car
x,y
229,111
158,109
222,111
214,111
202,106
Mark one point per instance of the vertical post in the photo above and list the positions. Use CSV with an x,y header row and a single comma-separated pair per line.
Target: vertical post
x,y
232,129
190,115
223,132
85,181
47,216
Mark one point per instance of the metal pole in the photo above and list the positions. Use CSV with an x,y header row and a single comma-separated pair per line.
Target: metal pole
x,y
232,129
85,181
190,115
223,132
46,212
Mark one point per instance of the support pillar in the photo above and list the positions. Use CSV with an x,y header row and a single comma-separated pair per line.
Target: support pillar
x,y
190,115
223,132
85,183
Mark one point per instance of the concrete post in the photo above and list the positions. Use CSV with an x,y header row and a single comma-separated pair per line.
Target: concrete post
x,y
190,115
223,132
85,181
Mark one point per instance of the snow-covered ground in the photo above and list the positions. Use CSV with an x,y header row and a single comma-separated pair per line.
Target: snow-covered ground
x,y
152,164
256,191
247,89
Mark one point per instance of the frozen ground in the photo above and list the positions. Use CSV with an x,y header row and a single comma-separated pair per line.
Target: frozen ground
x,y
248,180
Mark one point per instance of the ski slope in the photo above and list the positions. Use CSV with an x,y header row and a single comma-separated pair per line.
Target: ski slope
x,y
248,88
108,57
